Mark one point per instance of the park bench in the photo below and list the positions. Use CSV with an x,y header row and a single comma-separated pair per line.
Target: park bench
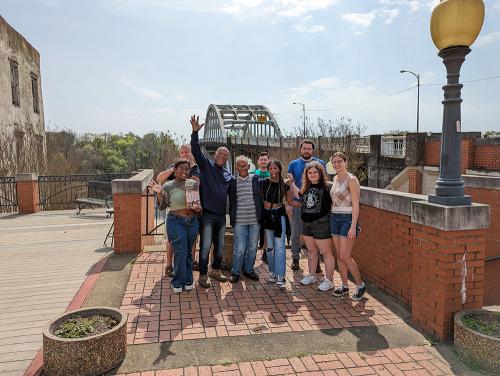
x,y
98,195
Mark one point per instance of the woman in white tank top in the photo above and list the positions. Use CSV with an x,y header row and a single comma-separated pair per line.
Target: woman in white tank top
x,y
344,224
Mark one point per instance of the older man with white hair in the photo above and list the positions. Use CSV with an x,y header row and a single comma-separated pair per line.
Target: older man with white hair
x,y
245,208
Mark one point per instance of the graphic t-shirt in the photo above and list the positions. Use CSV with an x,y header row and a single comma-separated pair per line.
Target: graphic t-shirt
x,y
316,203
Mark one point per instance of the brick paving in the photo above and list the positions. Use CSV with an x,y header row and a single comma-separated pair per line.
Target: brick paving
x,y
156,314
407,361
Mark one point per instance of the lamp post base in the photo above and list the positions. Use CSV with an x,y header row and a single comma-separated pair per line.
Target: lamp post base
x,y
450,200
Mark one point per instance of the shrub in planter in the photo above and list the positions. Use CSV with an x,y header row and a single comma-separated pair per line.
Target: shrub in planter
x,y
477,338
85,342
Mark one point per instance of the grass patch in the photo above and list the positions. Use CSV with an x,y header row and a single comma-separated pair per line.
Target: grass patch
x,y
81,327
484,322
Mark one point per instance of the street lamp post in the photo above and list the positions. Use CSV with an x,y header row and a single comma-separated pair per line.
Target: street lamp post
x,y
303,115
418,92
455,25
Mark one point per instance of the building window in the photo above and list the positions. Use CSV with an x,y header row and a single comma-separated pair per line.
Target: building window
x,y
34,92
14,83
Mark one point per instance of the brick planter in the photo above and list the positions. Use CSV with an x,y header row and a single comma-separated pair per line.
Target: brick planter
x,y
89,356
476,349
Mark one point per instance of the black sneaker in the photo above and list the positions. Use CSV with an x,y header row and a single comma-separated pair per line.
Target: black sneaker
x,y
341,291
360,291
295,264
234,278
253,276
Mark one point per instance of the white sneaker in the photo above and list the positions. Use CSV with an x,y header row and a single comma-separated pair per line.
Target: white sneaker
x,y
308,279
325,285
272,278
280,281
188,287
177,290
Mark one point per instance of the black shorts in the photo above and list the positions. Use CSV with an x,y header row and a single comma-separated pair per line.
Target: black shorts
x,y
318,229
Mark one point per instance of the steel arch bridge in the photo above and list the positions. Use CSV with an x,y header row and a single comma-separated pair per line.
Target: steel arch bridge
x,y
249,122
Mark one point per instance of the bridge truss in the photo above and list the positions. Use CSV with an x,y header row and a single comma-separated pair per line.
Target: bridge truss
x,y
238,121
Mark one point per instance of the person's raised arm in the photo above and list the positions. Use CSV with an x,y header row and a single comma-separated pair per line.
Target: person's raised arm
x,y
200,159
294,190
163,176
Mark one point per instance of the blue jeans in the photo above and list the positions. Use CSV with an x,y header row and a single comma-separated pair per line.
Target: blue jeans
x,y
212,229
276,254
182,233
246,238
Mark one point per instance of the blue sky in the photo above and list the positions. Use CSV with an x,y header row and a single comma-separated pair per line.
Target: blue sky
x,y
144,65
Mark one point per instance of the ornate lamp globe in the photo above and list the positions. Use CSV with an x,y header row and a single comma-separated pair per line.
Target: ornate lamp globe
x,y
456,22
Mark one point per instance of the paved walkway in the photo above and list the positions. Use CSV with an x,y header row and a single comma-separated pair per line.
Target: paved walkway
x,y
45,258
407,361
156,314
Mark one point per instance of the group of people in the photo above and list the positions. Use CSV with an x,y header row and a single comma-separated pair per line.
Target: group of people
x,y
261,207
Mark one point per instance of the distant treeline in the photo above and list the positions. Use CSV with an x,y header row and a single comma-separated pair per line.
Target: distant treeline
x,y
69,153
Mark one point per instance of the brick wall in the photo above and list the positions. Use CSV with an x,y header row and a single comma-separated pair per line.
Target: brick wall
x,y
421,266
487,157
28,196
130,222
432,153
481,154
439,260
414,181
383,251
492,268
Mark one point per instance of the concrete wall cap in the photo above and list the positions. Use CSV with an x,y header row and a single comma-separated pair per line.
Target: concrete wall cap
x,y
451,218
485,182
431,168
29,176
392,201
135,184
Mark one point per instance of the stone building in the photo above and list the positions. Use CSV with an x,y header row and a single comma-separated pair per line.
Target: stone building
x,y
22,127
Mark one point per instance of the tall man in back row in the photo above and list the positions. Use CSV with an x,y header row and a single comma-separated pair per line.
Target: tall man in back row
x,y
214,188
296,168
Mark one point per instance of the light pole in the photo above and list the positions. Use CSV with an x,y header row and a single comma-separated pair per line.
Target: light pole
x,y
455,25
303,115
418,92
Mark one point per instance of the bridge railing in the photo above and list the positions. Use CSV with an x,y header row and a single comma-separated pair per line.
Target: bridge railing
x,y
360,144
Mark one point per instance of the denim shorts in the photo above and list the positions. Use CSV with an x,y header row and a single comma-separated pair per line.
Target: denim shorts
x,y
318,229
340,223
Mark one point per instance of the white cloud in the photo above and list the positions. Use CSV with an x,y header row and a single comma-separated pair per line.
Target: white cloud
x,y
145,92
238,8
487,39
414,6
497,5
389,15
359,19
303,27
180,97
332,98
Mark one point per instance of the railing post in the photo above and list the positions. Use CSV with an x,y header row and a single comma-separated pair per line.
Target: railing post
x,y
132,212
28,194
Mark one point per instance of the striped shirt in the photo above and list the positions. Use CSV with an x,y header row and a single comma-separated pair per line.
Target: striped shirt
x,y
245,204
